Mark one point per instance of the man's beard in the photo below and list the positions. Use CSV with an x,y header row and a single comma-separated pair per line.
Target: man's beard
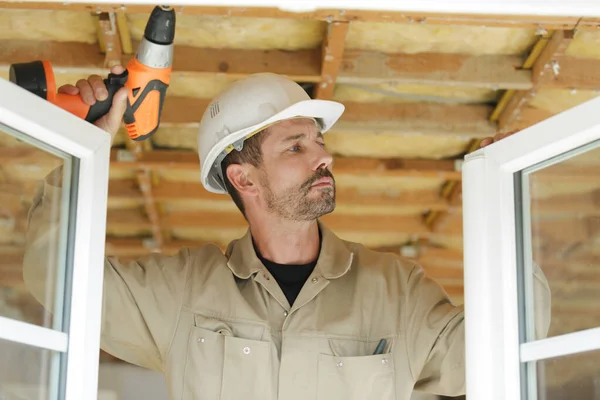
x,y
298,204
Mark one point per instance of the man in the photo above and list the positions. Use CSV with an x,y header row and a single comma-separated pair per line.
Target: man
x,y
290,311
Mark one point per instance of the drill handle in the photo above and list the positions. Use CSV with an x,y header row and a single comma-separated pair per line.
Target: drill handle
x,y
100,108
142,117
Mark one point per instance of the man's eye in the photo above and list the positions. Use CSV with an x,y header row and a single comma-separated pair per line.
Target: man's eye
x,y
294,148
322,144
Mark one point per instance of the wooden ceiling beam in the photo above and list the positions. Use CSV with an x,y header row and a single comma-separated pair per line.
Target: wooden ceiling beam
x,y
109,38
188,160
346,14
353,67
368,118
544,69
119,219
331,59
84,58
127,190
492,72
575,73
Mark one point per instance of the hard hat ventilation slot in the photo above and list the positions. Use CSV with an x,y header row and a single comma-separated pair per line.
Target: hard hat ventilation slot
x,y
214,109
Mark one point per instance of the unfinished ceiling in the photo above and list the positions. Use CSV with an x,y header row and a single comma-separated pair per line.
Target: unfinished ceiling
x,y
420,91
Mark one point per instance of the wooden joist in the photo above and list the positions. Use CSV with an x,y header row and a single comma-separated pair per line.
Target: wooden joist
x,y
331,59
345,14
356,67
118,219
544,70
109,38
382,118
83,58
493,72
188,160
170,191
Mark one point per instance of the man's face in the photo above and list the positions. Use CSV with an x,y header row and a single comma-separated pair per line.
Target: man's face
x,y
295,177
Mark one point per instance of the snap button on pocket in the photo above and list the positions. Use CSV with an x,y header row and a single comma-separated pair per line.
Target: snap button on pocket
x,y
246,350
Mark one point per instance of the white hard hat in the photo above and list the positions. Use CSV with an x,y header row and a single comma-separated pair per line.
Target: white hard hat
x,y
246,107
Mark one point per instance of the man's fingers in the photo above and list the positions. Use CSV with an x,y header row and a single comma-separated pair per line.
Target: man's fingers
x,y
85,91
98,86
117,69
68,89
119,105
486,141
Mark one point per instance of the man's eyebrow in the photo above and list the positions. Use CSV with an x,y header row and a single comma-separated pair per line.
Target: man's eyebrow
x,y
300,136
294,137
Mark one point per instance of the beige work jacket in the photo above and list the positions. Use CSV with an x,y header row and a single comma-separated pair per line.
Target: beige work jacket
x,y
219,327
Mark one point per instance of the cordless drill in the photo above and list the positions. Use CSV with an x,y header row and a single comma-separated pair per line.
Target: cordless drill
x,y
147,77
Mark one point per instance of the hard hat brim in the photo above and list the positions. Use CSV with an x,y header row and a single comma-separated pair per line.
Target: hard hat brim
x,y
328,112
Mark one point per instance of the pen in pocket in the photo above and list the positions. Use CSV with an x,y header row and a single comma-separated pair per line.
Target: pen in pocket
x,y
380,347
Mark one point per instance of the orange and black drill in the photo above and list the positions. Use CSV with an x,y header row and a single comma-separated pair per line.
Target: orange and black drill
x,y
147,77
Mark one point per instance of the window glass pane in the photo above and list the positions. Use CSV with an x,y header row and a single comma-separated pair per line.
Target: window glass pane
x,y
24,163
561,233
569,378
28,372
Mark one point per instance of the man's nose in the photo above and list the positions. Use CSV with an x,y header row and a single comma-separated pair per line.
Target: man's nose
x,y
323,159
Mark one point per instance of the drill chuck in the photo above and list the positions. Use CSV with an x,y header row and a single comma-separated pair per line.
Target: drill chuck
x,y
160,28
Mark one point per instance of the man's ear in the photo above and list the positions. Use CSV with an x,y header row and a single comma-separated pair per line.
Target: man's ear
x,y
240,179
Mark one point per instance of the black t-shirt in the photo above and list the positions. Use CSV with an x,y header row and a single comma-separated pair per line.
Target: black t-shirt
x,y
290,277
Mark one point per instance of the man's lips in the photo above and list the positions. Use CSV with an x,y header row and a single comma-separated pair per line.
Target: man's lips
x,y
323,182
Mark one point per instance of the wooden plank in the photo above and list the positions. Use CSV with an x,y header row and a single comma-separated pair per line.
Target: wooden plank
x,y
83,58
109,38
126,189
357,66
488,71
145,180
542,72
333,51
367,118
126,219
188,160
467,121
575,73
345,14
152,209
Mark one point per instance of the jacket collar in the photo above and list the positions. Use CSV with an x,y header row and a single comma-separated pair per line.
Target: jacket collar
x,y
335,259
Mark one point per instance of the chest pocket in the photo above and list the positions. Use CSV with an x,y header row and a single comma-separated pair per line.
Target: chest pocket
x,y
226,361
355,377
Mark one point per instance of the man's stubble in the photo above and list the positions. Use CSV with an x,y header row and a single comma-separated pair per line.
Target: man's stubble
x,y
297,204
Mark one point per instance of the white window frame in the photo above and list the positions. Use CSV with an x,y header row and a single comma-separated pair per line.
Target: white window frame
x,y
41,120
493,351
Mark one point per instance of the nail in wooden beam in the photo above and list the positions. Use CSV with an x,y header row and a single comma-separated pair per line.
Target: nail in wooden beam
x,y
333,51
545,69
